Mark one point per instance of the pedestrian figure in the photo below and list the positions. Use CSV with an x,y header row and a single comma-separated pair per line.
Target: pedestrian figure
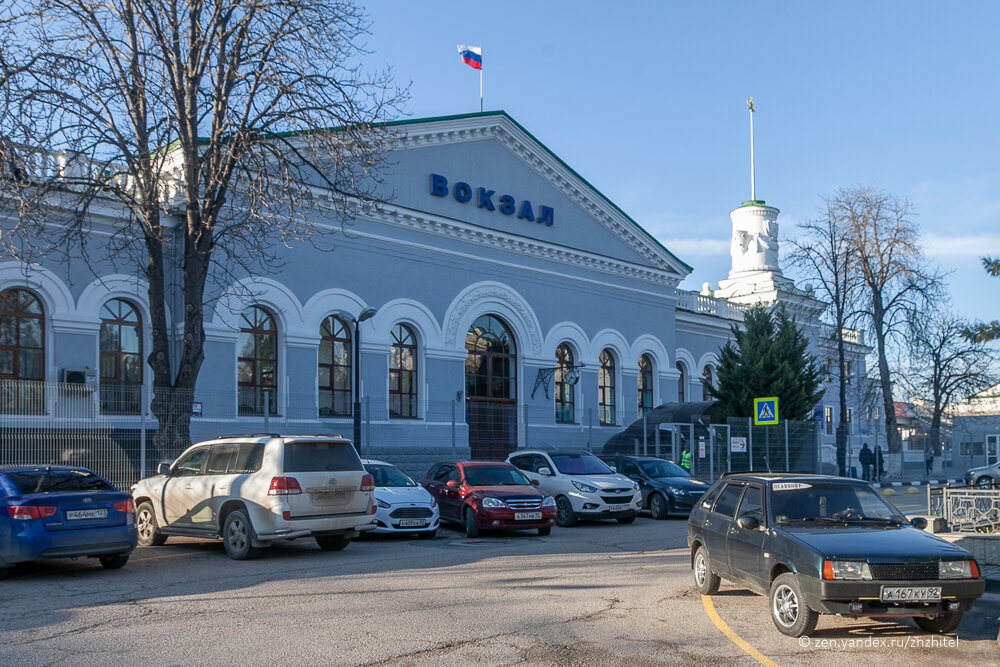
x,y
879,463
686,459
929,460
866,458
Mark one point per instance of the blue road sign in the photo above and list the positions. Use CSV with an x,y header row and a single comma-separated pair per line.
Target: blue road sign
x,y
765,411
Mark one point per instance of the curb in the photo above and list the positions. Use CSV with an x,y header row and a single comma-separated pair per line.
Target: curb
x,y
882,485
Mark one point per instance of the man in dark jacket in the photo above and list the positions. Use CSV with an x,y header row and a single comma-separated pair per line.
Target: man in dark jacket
x,y
866,458
879,464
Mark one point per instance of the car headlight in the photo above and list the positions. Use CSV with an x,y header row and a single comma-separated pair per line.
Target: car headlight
x,y
846,569
381,503
586,488
548,501
956,569
493,503
675,490
635,486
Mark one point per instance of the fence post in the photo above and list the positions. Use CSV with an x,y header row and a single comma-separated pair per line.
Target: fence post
x,y
711,454
645,438
590,431
527,420
787,463
142,431
750,441
454,451
267,411
656,440
368,425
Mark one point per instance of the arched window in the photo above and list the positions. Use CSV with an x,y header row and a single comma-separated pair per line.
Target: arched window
x,y
645,384
565,390
403,373
334,368
257,366
22,351
681,383
707,377
121,357
606,389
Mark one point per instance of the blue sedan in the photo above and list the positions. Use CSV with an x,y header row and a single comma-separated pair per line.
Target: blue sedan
x,y
63,512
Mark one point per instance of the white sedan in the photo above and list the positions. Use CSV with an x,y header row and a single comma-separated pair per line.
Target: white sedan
x,y
403,506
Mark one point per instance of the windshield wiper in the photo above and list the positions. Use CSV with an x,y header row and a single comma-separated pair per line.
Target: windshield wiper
x,y
815,519
879,519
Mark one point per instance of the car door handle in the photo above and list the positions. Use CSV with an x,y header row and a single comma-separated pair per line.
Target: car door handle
x,y
223,487
188,487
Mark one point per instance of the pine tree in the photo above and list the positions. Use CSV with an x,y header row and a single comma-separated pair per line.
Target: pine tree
x,y
767,357
985,332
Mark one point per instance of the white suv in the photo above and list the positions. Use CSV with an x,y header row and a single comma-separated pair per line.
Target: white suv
x,y
583,485
251,490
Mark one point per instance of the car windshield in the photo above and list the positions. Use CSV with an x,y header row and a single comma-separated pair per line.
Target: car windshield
x,y
46,481
829,502
662,469
580,464
390,476
495,476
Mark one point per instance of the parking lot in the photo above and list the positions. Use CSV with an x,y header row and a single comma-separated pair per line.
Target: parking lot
x,y
593,594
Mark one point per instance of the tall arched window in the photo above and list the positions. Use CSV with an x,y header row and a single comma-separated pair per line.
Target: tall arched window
x,y
403,373
22,351
334,368
121,357
681,383
707,377
645,384
565,390
606,389
257,370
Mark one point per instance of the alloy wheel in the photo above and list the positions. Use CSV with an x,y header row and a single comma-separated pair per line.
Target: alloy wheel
x,y
785,606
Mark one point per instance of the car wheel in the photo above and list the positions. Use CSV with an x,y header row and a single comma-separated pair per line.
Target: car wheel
x,y
471,529
545,531
789,611
565,516
237,536
943,624
626,519
659,506
985,482
427,534
145,524
705,579
332,542
114,561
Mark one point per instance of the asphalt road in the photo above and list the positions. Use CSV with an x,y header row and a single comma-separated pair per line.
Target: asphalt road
x,y
595,594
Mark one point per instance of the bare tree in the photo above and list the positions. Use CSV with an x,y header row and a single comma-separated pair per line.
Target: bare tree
x,y
944,365
824,253
886,252
203,135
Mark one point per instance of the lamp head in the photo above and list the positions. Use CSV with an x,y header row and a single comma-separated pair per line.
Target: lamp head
x,y
366,314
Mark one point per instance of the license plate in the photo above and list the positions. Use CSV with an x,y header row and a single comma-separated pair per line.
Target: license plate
x,y
77,515
911,593
412,523
620,508
528,516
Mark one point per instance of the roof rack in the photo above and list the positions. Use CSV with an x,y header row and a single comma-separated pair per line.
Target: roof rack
x,y
247,435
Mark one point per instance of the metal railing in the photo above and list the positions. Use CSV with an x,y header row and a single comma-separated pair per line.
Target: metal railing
x,y
971,510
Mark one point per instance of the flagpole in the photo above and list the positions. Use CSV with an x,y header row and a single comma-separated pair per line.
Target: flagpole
x,y
481,84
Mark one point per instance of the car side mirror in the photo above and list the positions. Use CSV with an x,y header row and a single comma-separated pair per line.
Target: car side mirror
x,y
452,484
613,468
747,522
918,522
163,469
535,482
545,470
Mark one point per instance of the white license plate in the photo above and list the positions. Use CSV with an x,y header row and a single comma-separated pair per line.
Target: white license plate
x,y
412,523
911,593
619,508
77,515
528,516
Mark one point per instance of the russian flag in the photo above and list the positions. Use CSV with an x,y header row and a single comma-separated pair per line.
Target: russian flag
x,y
471,55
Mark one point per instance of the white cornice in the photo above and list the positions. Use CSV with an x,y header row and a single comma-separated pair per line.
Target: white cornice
x,y
536,157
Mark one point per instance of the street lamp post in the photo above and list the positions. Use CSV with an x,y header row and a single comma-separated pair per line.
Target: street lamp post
x,y
366,314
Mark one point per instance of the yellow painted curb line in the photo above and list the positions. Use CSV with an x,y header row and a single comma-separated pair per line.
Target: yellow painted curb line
x,y
732,636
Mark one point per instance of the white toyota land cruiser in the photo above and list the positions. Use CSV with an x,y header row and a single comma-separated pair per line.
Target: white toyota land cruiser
x,y
251,490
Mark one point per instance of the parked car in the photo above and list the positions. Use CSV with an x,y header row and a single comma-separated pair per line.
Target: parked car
x,y
827,545
484,495
984,476
582,484
403,506
252,490
666,487
63,512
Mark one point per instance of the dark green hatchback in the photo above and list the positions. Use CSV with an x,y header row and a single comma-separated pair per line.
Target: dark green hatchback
x,y
827,545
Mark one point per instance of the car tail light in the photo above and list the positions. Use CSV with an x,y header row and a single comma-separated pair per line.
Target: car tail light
x,y
29,512
286,515
284,486
374,508
367,483
125,506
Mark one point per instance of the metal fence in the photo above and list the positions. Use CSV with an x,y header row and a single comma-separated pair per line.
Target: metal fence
x,y
971,510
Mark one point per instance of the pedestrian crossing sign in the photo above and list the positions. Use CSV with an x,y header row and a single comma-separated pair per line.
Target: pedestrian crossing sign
x,y
765,411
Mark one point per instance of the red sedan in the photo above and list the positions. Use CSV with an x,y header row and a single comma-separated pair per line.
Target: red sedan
x,y
486,495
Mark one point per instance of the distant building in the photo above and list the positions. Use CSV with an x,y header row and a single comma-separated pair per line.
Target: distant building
x,y
976,429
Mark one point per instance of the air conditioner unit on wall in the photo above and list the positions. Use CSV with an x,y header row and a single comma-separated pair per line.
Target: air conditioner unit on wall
x,y
83,379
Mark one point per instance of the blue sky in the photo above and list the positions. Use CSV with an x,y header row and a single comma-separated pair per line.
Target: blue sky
x,y
647,101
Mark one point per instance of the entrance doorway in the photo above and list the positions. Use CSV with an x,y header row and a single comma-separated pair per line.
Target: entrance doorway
x,y
992,443
491,388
